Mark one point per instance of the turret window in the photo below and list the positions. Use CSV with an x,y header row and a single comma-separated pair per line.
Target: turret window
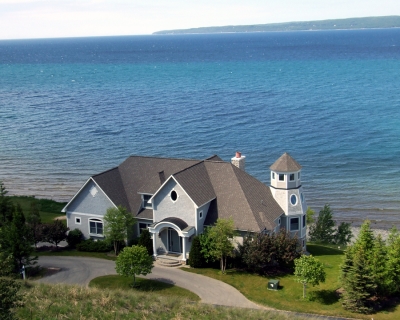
x,y
273,175
298,175
291,178
293,199
294,224
281,177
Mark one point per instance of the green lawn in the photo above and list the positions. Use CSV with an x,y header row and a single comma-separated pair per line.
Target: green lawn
x,y
145,285
49,209
321,299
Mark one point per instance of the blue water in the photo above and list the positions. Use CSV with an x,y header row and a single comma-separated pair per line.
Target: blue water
x,y
70,108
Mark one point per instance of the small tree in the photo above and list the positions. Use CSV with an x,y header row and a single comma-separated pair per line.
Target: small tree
x,y
6,206
117,222
133,261
310,216
309,270
343,234
145,241
323,229
195,256
16,240
55,232
219,240
34,222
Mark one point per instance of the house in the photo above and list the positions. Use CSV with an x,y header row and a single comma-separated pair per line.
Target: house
x,y
176,198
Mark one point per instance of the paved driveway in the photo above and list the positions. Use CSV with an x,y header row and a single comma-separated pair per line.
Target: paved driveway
x,y
79,270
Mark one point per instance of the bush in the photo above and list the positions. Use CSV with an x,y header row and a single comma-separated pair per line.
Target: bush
x,y
74,237
196,259
145,241
94,246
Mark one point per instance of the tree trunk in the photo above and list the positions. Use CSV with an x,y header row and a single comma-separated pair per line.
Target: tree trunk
x,y
134,280
304,290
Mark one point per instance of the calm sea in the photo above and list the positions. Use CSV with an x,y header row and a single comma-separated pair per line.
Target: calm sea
x,y
71,108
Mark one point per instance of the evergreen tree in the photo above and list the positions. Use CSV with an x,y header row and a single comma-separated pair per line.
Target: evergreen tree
x,y
195,255
357,282
366,239
378,267
343,234
16,240
393,262
6,206
323,229
146,241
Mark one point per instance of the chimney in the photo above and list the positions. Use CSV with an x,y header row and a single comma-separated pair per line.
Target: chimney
x,y
161,175
239,161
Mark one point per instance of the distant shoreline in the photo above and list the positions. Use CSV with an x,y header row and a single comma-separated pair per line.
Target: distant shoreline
x,y
386,22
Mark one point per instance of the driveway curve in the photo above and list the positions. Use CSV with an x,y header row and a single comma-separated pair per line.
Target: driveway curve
x,y
80,270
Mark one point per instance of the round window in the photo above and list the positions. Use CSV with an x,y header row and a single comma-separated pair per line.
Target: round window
x,y
174,195
293,199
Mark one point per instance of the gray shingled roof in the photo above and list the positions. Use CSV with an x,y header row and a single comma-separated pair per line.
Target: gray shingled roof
x,y
285,164
233,193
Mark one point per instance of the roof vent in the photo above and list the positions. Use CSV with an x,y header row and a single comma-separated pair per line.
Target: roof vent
x,y
161,175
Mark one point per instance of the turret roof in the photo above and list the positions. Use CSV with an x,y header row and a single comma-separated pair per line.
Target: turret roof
x,y
285,164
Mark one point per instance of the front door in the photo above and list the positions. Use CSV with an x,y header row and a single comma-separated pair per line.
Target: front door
x,y
174,241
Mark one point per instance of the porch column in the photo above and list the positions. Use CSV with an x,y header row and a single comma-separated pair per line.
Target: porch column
x,y
154,246
184,248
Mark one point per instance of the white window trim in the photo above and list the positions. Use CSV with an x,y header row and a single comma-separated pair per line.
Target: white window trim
x,y
290,224
284,176
80,220
273,175
290,176
95,220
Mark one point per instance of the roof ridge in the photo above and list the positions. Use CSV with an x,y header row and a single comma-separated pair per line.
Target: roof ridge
x,y
195,164
117,167
168,158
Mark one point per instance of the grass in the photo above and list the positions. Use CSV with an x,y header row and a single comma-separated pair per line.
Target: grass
x,y
143,285
321,299
49,209
45,302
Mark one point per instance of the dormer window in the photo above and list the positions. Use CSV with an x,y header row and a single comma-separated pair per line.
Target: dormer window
x,y
146,203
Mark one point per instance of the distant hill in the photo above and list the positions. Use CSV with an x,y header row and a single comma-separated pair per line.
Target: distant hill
x,y
335,24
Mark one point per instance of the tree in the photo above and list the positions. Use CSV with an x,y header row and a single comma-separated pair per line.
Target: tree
x,y
34,221
6,206
55,232
323,229
117,222
309,270
310,216
357,281
134,261
16,240
195,255
218,241
393,262
261,251
343,234
146,241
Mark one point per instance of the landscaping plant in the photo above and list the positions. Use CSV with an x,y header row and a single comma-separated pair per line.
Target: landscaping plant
x,y
309,270
134,261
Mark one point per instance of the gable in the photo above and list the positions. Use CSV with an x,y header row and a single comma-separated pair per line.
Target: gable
x,y
90,200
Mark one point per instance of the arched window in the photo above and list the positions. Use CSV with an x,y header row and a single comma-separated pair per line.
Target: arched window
x,y
96,227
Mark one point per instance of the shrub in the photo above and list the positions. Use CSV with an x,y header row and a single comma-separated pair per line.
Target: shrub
x,y
74,237
145,241
94,246
196,259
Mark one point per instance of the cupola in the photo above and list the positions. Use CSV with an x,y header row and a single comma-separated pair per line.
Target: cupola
x,y
285,173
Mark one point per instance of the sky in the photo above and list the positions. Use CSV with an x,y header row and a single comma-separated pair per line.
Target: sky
x,y
22,19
